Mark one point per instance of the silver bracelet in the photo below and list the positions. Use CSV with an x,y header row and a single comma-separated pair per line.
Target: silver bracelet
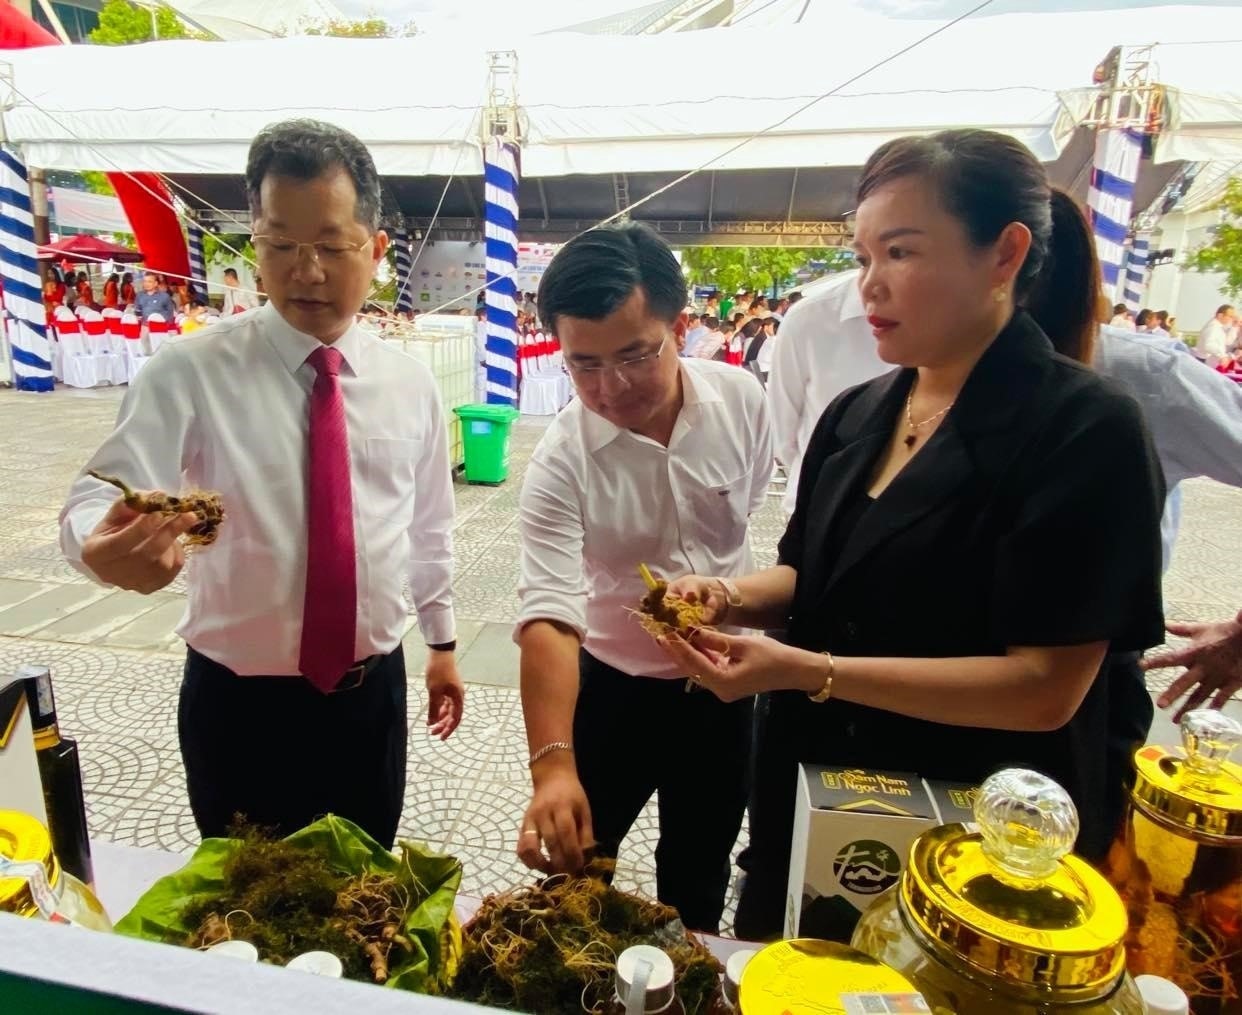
x,y
551,748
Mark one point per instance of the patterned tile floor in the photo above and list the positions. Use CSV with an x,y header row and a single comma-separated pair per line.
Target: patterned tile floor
x,y
116,660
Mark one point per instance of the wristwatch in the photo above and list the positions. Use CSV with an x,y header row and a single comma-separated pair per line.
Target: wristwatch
x,y
733,595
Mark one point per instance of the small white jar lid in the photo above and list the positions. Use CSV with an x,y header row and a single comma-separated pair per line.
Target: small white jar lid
x,y
319,963
1161,996
734,966
242,950
660,993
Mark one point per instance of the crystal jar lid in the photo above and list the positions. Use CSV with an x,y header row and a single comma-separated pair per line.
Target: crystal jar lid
x,y
24,840
1198,788
1009,901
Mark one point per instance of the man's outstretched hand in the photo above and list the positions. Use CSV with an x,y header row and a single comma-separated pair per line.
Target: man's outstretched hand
x,y
1213,662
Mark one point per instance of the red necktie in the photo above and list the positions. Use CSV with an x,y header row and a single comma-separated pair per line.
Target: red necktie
x,y
329,615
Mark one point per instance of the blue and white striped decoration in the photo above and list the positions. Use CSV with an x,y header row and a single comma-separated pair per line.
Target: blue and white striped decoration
x,y
405,264
1111,199
198,264
25,317
500,175
1136,271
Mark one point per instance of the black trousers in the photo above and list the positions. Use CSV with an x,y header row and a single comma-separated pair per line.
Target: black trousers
x,y
283,754
634,736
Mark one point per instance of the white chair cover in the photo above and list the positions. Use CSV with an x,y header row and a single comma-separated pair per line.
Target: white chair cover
x,y
77,362
135,353
157,331
112,324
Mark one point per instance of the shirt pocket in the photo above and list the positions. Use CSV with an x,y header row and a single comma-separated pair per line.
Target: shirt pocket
x,y
388,480
723,511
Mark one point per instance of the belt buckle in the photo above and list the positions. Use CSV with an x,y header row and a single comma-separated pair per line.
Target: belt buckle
x,y
352,679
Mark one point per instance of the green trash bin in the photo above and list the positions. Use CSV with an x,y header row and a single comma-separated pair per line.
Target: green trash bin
x,y
485,441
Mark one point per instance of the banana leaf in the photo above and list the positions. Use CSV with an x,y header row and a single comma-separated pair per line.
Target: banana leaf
x,y
431,925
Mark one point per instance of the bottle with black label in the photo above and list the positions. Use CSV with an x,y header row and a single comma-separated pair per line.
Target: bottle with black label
x,y
61,773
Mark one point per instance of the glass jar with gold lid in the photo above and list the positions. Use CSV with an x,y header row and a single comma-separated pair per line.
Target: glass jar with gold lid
x,y
32,882
1001,918
808,977
1178,864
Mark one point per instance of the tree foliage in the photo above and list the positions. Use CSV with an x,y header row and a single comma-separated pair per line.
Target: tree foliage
x,y
215,251
759,268
97,182
371,27
122,23
1224,253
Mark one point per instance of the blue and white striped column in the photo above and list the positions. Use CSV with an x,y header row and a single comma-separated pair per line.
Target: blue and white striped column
x,y
1111,199
1135,286
198,264
500,174
25,319
404,302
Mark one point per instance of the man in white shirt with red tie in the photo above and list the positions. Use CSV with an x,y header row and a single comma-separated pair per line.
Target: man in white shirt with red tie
x,y
329,451
659,460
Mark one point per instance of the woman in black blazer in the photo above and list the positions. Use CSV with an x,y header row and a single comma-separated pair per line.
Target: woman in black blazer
x,y
974,531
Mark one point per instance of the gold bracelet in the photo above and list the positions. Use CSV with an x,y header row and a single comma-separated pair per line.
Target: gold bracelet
x,y
543,752
825,692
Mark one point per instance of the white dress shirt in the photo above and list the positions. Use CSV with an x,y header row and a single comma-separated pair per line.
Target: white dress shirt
x,y
708,345
825,347
228,410
1194,413
693,336
767,354
1213,342
598,500
237,299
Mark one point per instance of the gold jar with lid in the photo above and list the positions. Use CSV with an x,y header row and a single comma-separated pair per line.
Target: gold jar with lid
x,y
1001,918
1178,864
808,977
32,882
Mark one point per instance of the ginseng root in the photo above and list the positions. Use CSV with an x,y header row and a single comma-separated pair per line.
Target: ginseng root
x,y
661,613
204,503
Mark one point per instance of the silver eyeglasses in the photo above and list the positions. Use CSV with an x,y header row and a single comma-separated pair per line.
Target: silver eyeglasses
x,y
627,370
323,251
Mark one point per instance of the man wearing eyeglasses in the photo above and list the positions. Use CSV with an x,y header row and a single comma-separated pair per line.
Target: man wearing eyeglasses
x,y
660,460
329,451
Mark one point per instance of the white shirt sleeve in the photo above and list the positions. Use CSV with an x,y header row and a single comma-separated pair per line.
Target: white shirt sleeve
x,y
764,453
148,449
787,385
431,531
552,584
1200,432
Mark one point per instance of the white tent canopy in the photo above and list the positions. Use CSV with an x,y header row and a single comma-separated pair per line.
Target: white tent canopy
x,y
623,104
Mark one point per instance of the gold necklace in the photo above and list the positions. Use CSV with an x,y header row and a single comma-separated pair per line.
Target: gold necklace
x,y
913,435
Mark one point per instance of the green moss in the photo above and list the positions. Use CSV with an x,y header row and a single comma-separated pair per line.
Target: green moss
x,y
284,901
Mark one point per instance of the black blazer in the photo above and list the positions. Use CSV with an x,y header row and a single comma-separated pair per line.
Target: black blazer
x,y
1030,518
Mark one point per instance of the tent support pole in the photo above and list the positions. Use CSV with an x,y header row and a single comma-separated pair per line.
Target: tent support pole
x,y
793,190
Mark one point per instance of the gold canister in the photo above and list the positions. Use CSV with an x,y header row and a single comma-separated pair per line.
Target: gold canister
x,y
808,977
1178,864
1001,918
36,885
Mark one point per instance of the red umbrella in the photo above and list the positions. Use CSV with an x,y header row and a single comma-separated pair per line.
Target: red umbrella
x,y
84,248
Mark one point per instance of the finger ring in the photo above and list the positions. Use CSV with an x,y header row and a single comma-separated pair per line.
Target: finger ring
x,y
696,678
530,831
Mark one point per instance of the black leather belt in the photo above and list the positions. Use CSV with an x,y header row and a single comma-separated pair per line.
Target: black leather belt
x,y
356,675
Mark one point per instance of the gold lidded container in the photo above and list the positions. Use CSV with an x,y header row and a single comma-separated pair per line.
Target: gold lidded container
x,y
1001,917
32,882
1178,863
807,977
